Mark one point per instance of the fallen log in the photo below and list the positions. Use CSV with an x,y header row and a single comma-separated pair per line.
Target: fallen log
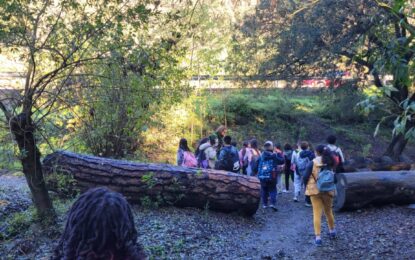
x,y
161,183
384,166
359,189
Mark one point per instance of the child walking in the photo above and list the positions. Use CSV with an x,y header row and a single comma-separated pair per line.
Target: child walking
x,y
267,175
321,201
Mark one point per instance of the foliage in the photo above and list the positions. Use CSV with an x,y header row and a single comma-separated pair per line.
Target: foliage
x,y
63,184
341,105
375,37
17,223
278,115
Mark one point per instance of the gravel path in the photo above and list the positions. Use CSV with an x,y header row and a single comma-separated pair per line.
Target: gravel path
x,y
171,233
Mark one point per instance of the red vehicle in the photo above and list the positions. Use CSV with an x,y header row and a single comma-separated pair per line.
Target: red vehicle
x,y
320,83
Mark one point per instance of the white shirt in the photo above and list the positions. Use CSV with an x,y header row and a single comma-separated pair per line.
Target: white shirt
x,y
336,149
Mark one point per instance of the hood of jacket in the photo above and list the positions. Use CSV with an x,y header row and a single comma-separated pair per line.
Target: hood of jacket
x,y
266,155
306,153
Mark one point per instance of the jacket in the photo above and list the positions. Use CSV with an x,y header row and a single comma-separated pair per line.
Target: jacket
x,y
307,153
210,154
278,159
180,157
227,158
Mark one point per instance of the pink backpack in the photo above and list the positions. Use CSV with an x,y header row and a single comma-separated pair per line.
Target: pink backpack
x,y
189,160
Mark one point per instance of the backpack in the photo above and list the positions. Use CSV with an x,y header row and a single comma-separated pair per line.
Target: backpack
x,y
200,155
189,160
266,170
254,162
325,181
288,155
302,164
245,161
338,164
230,160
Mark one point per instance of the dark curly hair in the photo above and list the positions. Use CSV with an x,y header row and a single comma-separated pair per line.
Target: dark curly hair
x,y
100,225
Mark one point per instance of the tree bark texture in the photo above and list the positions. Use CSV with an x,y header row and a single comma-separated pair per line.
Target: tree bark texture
x,y
396,147
163,183
23,131
359,189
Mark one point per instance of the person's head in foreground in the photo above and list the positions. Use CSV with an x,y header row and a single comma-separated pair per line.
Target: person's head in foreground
x,y
100,225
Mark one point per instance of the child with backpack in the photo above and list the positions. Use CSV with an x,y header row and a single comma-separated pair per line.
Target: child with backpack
x,y
280,170
253,155
185,157
319,181
267,175
302,160
202,162
210,151
336,152
243,158
288,172
228,159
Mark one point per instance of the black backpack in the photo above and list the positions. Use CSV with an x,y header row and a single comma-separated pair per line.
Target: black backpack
x,y
230,160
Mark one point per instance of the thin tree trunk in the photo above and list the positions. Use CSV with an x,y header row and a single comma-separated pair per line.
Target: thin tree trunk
x,y
23,130
396,146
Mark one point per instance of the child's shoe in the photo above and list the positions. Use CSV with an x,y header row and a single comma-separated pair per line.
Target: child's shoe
x,y
318,242
273,207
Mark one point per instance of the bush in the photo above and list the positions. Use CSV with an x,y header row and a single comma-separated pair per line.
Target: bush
x,y
340,105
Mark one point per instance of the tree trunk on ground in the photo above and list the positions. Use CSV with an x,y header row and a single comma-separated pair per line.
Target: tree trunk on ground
x,y
23,131
360,189
399,166
161,183
396,146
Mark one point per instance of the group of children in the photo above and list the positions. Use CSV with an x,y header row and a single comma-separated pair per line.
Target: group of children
x,y
300,163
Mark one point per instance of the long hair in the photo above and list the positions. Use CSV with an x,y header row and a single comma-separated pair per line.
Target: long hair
x,y
183,144
100,225
254,146
326,155
220,129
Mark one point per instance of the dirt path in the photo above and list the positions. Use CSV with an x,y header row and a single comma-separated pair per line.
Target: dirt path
x,y
287,233
172,233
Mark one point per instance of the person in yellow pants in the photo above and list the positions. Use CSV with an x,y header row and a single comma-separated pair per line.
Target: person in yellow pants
x,y
321,201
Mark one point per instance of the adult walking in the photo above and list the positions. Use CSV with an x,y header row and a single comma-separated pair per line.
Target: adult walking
x,y
322,201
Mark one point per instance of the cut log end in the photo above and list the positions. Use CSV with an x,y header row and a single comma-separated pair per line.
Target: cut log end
x,y
361,189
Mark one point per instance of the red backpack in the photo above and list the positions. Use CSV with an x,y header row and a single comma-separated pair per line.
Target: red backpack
x,y
189,160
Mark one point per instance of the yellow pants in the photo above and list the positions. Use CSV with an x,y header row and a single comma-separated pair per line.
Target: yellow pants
x,y
320,202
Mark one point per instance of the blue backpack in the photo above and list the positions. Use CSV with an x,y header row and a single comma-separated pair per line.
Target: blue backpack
x,y
325,181
301,164
265,170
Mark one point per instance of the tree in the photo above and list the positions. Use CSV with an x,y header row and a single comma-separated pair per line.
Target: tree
x,y
57,39
377,37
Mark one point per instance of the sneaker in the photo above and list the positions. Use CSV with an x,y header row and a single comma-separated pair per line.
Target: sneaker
x,y
284,191
333,235
318,242
307,204
273,207
264,206
295,199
